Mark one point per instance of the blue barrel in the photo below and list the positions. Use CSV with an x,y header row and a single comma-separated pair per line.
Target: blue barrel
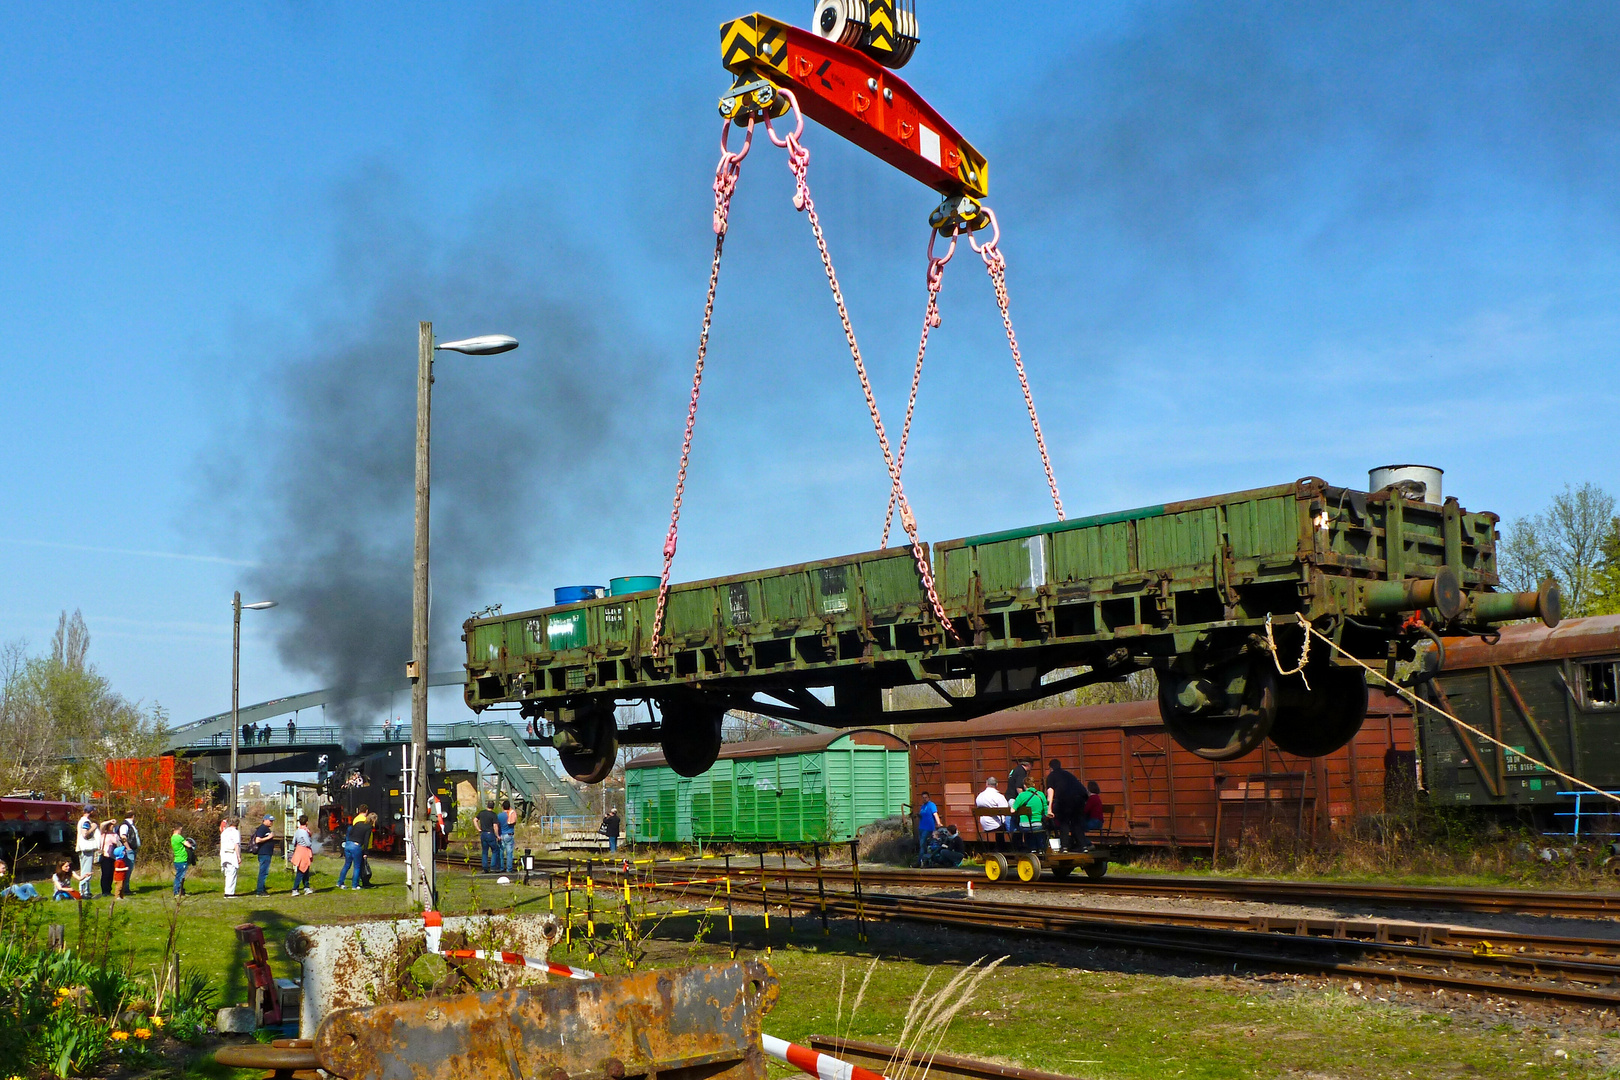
x,y
573,594
641,583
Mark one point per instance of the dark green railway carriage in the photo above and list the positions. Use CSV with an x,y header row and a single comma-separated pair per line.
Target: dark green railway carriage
x,y
1552,694
813,789
1184,588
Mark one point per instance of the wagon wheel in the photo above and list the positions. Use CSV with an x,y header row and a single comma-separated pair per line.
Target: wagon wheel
x,y
995,867
1222,736
1318,721
1062,870
1096,868
691,736
1029,867
599,735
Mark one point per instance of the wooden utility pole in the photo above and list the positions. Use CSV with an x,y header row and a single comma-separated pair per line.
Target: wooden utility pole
x,y
422,823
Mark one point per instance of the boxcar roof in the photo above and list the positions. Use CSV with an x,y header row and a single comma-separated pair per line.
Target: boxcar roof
x,y
1527,641
1124,714
802,744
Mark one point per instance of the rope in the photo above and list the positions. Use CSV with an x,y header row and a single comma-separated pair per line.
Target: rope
x,y
996,264
1304,655
725,184
799,165
936,278
1412,698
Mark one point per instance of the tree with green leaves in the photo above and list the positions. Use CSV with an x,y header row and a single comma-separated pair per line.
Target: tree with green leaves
x,y
61,721
1575,540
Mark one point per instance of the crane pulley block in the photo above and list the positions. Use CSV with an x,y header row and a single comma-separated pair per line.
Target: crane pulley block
x,y
846,90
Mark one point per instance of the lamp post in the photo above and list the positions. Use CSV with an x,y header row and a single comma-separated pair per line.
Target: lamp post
x,y
236,689
421,829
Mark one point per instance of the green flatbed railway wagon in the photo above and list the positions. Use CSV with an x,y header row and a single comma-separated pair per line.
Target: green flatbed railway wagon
x,y
1184,588
811,789
1551,694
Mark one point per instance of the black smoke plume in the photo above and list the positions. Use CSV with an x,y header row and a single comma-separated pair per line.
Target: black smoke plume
x,y
521,441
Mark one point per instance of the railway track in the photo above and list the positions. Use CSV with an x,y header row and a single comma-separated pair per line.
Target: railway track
x,y
1572,970
1579,971
1490,900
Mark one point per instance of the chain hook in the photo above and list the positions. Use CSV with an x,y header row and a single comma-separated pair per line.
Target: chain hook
x,y
990,250
798,117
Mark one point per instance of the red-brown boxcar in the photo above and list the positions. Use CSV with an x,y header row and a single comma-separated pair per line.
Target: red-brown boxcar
x,y
157,781
1157,793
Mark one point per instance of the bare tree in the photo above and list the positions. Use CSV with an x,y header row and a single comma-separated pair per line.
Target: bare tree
x,y
72,641
1564,541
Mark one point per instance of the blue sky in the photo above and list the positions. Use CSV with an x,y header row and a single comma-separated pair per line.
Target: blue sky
x,y
1246,244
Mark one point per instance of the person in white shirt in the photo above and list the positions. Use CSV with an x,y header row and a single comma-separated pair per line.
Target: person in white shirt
x,y
230,853
991,798
88,847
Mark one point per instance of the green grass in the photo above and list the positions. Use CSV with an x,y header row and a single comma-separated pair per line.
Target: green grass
x,y
1068,1011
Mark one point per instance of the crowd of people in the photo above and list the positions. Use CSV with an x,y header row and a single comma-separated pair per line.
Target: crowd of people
x,y
260,734
1063,808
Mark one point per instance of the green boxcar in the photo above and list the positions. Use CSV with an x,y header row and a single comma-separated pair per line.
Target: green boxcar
x,y
814,789
1553,695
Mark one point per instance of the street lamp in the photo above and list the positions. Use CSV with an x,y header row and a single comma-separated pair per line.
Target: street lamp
x,y
236,688
421,832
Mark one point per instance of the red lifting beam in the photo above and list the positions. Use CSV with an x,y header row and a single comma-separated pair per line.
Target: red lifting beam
x,y
844,89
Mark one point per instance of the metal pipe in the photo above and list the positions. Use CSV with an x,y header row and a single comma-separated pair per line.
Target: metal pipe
x,y
1443,592
1546,604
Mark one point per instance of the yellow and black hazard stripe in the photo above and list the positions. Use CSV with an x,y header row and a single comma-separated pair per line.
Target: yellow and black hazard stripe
x,y
880,33
752,42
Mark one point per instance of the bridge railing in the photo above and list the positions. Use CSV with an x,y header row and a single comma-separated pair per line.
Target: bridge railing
x,y
321,735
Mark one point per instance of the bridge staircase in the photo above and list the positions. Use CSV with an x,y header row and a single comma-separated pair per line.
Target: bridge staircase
x,y
523,770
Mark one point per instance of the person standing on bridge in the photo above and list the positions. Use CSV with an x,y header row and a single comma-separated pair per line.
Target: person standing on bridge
x,y
292,731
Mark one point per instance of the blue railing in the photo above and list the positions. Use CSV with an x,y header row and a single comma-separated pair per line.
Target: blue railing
x,y
320,735
1607,809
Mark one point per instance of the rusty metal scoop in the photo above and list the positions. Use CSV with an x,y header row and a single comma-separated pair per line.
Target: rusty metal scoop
x,y
694,1023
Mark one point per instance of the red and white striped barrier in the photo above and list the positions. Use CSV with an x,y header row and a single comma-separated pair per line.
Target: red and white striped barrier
x,y
812,1062
519,960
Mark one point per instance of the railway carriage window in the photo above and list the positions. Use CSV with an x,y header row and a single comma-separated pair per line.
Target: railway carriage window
x,y
1602,682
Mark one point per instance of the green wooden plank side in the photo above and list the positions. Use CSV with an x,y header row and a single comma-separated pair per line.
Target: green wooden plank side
x,y
723,798
1009,565
954,574
1189,538
690,611
746,798
683,810
1084,554
787,597
487,641
742,606
567,630
1263,528
891,583
613,622
813,798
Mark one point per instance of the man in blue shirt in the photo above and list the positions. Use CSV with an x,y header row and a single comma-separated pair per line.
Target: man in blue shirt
x,y
927,822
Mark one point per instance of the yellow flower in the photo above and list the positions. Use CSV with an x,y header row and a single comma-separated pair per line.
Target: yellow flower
x,y
120,1035
158,1021
143,1033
